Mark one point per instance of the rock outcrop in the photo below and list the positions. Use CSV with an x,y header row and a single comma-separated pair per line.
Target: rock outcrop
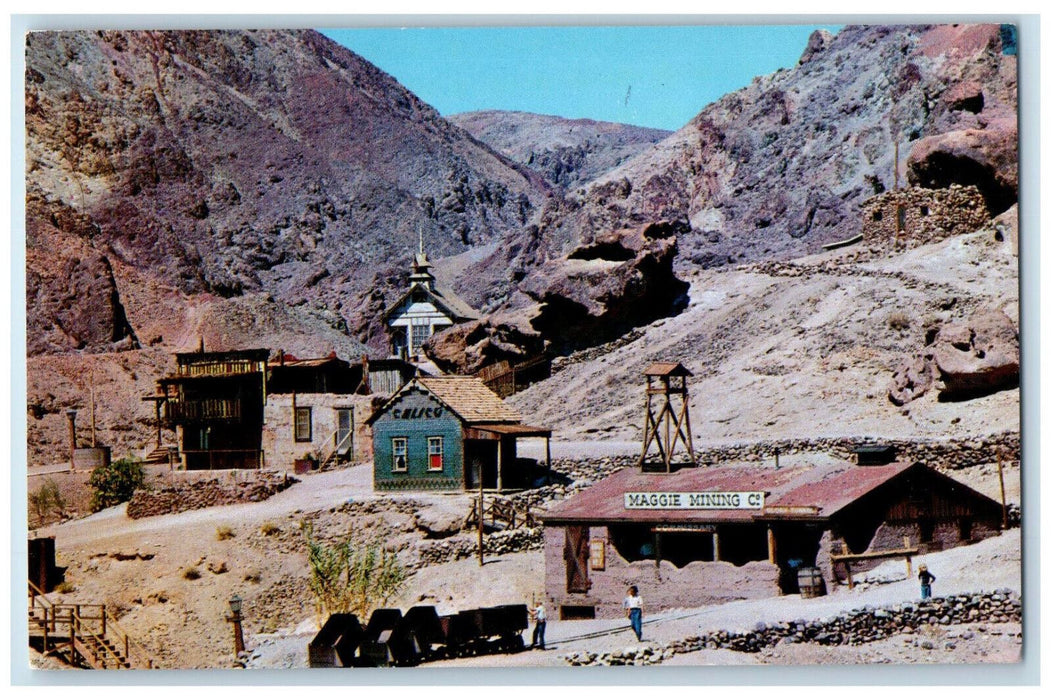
x,y
602,289
234,162
962,361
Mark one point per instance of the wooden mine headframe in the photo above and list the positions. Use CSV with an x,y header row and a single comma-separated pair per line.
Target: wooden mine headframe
x,y
667,426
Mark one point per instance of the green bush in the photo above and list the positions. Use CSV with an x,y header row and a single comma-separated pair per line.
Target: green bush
x,y
115,483
47,500
351,578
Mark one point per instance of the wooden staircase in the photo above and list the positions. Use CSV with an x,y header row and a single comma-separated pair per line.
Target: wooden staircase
x,y
158,455
85,635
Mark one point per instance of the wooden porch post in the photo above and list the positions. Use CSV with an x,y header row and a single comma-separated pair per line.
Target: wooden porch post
x,y
500,465
715,545
771,544
157,413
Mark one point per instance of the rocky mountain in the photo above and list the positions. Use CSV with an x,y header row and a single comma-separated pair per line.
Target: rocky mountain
x,y
234,163
266,188
781,167
568,153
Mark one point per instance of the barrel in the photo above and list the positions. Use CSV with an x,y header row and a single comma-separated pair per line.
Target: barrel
x,y
811,582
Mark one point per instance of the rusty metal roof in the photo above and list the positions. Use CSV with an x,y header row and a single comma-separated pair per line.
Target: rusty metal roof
x,y
835,490
810,491
470,399
667,369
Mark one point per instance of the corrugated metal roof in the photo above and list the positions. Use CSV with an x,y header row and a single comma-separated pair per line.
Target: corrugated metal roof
x,y
667,369
470,399
828,488
833,491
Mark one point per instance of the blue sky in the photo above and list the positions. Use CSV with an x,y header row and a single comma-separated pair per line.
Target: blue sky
x,y
649,76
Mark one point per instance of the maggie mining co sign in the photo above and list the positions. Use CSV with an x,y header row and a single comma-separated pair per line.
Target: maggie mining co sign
x,y
701,500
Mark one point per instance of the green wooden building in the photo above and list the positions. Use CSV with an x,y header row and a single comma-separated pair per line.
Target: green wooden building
x,y
446,433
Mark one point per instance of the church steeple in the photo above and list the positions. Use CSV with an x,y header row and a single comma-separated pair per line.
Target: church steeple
x,y
421,268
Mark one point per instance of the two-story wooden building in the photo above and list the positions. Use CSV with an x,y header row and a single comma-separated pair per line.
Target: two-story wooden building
x,y
214,403
446,433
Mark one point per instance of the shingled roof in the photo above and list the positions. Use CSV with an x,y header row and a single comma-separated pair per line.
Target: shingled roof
x,y
470,399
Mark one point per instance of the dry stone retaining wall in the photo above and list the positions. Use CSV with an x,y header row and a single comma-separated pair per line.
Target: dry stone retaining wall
x,y
205,494
577,474
857,627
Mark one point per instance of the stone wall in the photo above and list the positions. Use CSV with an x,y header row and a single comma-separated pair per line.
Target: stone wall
x,y
573,475
930,215
857,627
182,495
279,443
696,583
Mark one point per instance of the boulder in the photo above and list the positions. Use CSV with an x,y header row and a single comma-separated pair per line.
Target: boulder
x,y
986,158
912,379
976,358
439,523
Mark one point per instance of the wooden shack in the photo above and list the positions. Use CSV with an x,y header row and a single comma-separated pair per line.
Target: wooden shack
x,y
446,433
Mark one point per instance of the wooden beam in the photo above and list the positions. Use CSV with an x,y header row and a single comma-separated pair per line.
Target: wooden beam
x,y
771,544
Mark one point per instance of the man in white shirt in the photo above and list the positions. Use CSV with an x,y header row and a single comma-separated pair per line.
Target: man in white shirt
x,y
540,615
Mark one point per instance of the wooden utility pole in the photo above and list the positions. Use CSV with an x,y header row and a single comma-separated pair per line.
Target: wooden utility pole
x,y
895,163
481,522
1003,493
92,381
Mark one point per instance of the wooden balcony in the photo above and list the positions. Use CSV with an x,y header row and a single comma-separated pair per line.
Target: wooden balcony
x,y
199,410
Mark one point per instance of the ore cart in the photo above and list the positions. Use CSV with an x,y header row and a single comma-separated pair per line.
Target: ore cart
x,y
376,645
336,642
423,633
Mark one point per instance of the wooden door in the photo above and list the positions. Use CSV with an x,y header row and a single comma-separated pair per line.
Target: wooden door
x,y
576,553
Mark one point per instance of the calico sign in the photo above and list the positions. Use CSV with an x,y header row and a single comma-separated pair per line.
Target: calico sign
x,y
702,500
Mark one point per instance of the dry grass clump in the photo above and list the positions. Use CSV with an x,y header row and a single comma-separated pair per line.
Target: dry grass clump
x,y
898,320
191,574
224,532
268,528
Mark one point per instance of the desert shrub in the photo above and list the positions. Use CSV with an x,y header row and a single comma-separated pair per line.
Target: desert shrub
x,y
224,532
345,577
268,528
253,576
191,574
47,500
65,587
898,320
115,483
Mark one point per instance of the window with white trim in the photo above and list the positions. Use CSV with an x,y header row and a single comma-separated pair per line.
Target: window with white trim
x,y
435,454
400,454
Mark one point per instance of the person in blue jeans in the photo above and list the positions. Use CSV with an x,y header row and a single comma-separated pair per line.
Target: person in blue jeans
x,y
926,579
539,614
633,604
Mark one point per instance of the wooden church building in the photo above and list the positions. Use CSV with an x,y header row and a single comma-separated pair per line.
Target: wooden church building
x,y
423,310
446,433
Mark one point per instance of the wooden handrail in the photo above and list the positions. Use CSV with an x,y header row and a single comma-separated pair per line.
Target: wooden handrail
x,y
77,616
